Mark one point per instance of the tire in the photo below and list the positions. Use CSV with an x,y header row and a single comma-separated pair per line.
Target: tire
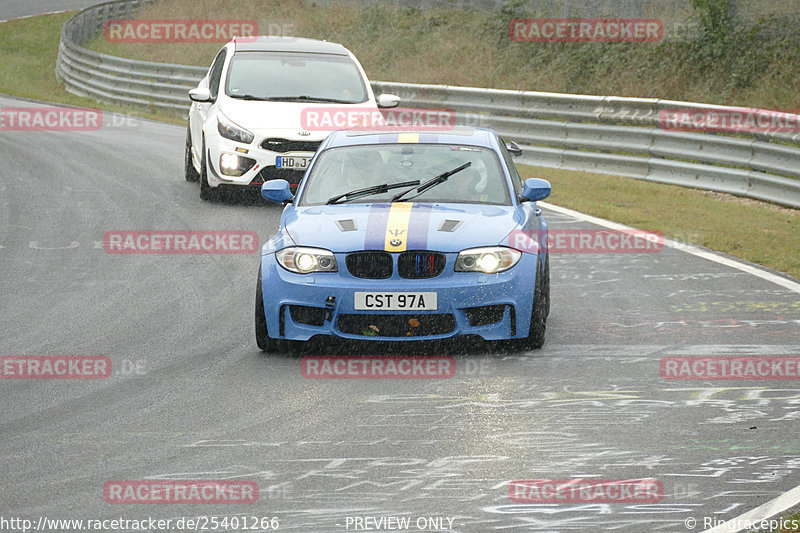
x,y
535,339
263,340
188,168
546,286
207,193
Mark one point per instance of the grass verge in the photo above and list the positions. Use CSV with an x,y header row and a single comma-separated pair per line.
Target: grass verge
x,y
28,66
754,231
758,65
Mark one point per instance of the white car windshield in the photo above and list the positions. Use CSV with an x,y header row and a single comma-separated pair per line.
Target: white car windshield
x,y
343,170
283,76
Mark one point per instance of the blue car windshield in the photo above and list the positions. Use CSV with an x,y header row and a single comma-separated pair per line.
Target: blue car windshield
x,y
286,76
338,171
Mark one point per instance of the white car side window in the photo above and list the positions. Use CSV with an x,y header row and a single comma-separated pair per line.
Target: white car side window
x,y
216,73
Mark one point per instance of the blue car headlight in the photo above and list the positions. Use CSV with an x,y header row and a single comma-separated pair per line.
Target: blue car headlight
x,y
301,260
489,259
231,131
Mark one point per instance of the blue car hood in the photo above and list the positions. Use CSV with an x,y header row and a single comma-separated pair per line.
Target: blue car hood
x,y
440,227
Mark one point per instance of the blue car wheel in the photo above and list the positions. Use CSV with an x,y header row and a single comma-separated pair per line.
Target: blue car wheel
x,y
264,342
546,286
538,326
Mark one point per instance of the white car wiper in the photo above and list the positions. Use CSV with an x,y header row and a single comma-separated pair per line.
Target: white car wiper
x,y
375,189
306,98
433,182
248,97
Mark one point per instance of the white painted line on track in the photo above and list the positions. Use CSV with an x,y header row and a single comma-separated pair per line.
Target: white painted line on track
x,y
762,512
37,15
786,500
684,247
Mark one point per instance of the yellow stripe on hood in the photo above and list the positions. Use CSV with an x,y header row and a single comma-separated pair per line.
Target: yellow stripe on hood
x,y
397,227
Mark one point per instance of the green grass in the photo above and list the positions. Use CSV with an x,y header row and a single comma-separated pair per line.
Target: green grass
x,y
472,48
427,46
30,48
28,65
755,231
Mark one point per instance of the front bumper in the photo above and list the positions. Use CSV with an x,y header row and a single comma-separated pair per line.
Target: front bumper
x,y
261,164
494,307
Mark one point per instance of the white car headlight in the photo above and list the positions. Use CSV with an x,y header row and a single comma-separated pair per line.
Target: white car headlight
x,y
231,131
489,260
231,164
306,260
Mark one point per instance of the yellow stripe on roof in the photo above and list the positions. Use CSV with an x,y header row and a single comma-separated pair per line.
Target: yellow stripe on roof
x,y
408,137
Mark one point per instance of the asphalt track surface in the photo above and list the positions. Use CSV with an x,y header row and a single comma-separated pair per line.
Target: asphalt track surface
x,y
25,8
191,397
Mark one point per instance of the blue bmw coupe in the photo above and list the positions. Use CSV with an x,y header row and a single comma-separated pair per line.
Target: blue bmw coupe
x,y
406,236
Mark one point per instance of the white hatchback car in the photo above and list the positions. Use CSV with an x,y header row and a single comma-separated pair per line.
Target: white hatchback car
x,y
246,122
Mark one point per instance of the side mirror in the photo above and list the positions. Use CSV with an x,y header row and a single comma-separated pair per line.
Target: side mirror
x,y
536,189
388,100
276,191
514,148
200,94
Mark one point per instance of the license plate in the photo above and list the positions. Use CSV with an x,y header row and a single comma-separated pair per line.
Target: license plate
x,y
396,301
295,163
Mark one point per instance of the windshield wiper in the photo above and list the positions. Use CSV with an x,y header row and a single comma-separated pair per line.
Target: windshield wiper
x,y
306,98
433,182
375,189
248,97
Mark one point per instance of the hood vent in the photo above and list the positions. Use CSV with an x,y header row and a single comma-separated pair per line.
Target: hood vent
x,y
449,226
347,224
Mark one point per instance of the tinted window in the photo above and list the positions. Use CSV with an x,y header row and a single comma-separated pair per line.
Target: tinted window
x,y
216,73
285,75
516,179
340,170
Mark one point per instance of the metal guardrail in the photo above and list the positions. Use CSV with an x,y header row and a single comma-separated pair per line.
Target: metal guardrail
x,y
606,134
117,80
